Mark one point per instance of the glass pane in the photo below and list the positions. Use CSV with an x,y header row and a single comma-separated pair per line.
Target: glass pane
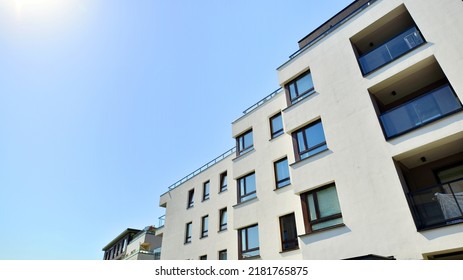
x,y
247,140
304,84
314,151
426,109
243,239
288,225
250,183
205,223
277,124
328,203
446,100
224,181
292,91
206,190
300,141
311,203
253,237
327,224
399,120
223,218
315,135
242,186
282,170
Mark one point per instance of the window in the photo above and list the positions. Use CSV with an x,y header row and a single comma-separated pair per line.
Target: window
x,y
244,143
191,198
204,226
247,187
288,232
282,173
248,239
188,232
300,88
206,190
309,140
223,255
276,125
223,181
321,209
223,219
203,258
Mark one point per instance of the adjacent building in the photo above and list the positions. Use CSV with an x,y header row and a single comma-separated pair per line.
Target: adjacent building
x,y
359,154
134,244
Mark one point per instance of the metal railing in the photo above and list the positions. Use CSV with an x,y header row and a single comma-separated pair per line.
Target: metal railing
x,y
261,102
419,111
203,168
392,49
162,221
438,205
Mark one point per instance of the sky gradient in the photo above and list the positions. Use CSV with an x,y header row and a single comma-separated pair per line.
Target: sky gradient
x,y
105,103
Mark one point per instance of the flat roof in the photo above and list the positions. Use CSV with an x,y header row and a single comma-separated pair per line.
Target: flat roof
x,y
119,237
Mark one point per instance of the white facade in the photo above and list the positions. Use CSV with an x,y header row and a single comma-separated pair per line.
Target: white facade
x,y
381,157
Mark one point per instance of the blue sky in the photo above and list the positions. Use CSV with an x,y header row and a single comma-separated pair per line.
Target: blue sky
x,y
105,103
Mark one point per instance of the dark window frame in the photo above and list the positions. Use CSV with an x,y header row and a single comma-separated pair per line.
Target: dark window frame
x,y
203,258
241,149
205,226
299,154
281,183
276,133
288,244
299,95
241,197
223,182
188,232
206,190
191,198
241,252
306,212
223,225
222,252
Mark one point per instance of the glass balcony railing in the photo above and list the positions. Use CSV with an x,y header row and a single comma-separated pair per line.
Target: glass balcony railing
x,y
438,205
420,111
390,50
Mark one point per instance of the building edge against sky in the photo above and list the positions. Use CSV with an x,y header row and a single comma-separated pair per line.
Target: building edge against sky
x,y
358,156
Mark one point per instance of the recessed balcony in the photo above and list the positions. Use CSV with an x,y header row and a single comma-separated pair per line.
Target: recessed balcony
x,y
391,50
419,111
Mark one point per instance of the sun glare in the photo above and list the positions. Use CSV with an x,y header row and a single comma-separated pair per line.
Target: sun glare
x,y
38,8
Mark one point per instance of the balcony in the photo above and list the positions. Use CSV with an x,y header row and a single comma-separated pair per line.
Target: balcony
x,y
438,205
389,51
419,111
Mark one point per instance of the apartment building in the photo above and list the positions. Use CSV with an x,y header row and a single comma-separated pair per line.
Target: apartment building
x,y
359,155
134,244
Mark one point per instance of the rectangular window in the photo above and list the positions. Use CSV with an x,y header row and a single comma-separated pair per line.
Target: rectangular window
x,y
300,87
223,219
204,226
191,198
276,125
247,187
244,143
203,258
188,229
223,255
223,181
309,140
206,187
248,239
282,173
321,208
288,232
